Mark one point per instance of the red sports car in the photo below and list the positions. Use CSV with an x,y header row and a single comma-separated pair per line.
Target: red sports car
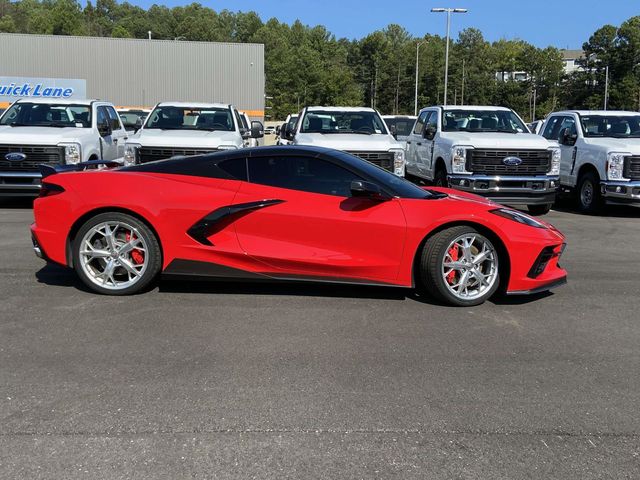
x,y
288,213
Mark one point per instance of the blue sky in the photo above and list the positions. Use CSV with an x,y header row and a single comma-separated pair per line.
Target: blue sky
x,y
561,23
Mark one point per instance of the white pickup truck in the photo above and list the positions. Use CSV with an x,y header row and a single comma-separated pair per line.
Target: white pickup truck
x,y
356,130
600,155
175,129
54,132
487,151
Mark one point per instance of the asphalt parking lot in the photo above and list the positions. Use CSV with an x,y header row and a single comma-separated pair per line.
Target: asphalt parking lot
x,y
207,380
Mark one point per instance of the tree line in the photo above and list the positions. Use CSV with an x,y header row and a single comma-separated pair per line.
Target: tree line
x,y
307,65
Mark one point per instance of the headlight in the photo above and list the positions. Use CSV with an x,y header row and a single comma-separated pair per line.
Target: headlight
x,y
72,153
556,156
130,150
459,159
398,161
519,217
615,166
227,147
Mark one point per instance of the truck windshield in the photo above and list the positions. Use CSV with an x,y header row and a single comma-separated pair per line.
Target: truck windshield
x,y
318,121
482,121
47,115
613,126
190,118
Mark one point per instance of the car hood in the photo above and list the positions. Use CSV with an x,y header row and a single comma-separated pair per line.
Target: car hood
x,y
622,145
348,141
185,138
497,140
43,135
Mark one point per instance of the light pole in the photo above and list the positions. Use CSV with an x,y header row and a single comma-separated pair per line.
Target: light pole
x,y
415,108
448,11
606,87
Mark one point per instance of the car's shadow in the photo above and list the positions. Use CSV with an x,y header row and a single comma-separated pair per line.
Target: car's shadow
x,y
56,275
613,210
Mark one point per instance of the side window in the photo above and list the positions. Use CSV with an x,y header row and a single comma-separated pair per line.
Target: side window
x,y
302,173
551,127
240,121
114,121
417,129
567,122
103,117
236,167
432,120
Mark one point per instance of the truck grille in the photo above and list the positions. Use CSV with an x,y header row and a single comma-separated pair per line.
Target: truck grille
x,y
150,154
382,159
489,162
632,168
36,155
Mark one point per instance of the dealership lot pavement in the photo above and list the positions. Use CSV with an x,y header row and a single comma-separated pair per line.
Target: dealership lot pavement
x,y
206,380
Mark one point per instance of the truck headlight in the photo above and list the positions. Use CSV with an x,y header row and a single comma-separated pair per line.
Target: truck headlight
x,y
72,153
459,159
556,156
130,150
615,166
398,161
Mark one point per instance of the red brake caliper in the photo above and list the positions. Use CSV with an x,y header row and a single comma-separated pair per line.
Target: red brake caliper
x,y
454,253
136,255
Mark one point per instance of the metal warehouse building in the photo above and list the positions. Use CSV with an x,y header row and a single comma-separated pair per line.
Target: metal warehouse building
x,y
132,72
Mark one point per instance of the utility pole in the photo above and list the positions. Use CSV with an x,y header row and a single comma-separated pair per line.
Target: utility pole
x,y
448,11
606,87
462,93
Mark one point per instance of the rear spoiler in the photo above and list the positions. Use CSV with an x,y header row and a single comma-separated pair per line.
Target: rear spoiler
x,y
48,170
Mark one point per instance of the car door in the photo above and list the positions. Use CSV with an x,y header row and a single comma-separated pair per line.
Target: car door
x,y
428,145
108,148
118,133
415,138
553,131
312,227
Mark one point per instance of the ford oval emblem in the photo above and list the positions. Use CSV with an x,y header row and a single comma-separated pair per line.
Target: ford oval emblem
x,y
512,161
15,156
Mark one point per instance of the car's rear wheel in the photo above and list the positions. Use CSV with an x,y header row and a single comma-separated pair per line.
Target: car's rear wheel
x,y
539,209
460,266
116,254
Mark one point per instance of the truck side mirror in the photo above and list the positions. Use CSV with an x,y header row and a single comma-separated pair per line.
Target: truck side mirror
x,y
567,138
104,130
288,132
257,129
429,132
393,130
278,130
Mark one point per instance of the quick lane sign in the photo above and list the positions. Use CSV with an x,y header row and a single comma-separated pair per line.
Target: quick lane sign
x,y
13,88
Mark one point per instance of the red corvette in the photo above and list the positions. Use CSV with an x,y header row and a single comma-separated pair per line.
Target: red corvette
x,y
288,213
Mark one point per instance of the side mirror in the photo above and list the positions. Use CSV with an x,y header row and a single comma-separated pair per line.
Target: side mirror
x,y
288,132
257,129
104,130
277,130
363,189
429,132
393,130
566,138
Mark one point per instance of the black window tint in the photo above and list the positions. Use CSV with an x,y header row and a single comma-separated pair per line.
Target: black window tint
x,y
551,127
302,173
236,167
103,116
420,123
113,118
432,120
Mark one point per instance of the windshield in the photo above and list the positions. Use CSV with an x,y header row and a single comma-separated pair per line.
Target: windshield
x,y
403,125
189,118
318,121
614,126
482,121
132,119
45,115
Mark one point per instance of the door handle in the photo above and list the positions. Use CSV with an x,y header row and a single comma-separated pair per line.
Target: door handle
x,y
419,143
115,140
408,142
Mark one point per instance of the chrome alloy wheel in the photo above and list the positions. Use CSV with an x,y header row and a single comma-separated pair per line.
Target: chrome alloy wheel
x,y
470,266
113,255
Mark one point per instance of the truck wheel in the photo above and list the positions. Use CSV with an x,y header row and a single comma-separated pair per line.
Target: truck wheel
x,y
460,266
539,209
440,179
588,194
116,254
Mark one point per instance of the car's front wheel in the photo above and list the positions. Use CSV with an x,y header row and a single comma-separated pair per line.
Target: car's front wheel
x,y
589,198
460,266
116,254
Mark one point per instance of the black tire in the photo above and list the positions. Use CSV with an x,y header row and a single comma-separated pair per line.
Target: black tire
x,y
539,209
431,263
153,253
440,178
588,196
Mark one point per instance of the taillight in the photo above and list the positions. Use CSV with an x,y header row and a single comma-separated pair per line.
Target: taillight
x,y
49,189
